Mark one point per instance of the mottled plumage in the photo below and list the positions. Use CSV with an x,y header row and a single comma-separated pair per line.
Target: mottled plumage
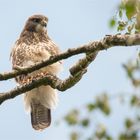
x,y
34,45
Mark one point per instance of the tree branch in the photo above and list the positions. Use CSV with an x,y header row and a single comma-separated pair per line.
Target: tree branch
x,y
52,80
76,72
108,42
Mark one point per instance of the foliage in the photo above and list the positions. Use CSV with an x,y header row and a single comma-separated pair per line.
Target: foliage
x,y
127,20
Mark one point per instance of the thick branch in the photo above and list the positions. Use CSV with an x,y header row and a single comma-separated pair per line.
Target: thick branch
x,y
107,42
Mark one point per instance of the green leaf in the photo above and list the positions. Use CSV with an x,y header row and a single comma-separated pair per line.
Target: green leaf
x,y
128,123
91,107
120,13
112,23
74,136
125,136
72,117
101,133
85,122
137,25
135,101
130,7
108,138
122,137
121,25
103,104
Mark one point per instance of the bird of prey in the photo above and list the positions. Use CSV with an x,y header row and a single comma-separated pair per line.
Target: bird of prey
x,y
33,46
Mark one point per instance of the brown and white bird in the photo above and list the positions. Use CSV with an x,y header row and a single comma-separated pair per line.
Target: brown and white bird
x,y
33,46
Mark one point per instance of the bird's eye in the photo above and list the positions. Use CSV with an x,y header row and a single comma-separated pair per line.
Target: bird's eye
x,y
36,20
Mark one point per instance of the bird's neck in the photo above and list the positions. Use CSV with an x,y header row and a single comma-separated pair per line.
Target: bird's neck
x,y
33,37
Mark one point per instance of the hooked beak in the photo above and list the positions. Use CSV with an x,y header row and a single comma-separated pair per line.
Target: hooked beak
x,y
44,23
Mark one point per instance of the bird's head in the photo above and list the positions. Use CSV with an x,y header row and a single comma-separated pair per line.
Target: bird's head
x,y
36,23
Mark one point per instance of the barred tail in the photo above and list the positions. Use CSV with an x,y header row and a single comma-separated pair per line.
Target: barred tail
x,y
40,116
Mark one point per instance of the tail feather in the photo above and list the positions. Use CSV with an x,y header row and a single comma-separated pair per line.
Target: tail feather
x,y
40,116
